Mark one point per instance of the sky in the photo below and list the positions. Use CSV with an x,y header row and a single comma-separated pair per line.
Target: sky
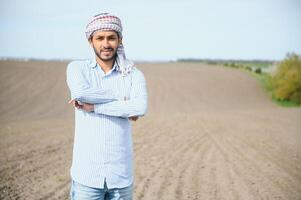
x,y
154,30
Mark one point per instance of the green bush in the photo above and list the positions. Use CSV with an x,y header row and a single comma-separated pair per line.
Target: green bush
x,y
248,68
233,65
286,82
258,70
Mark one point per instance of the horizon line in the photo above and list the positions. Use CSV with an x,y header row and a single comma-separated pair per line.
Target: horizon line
x,y
140,60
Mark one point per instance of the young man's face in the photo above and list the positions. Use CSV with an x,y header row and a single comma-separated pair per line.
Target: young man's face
x,y
105,44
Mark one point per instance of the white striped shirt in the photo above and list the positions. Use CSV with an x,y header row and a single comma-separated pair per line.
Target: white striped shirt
x,y
103,143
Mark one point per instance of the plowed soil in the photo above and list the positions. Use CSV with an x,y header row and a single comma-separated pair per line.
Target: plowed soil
x,y
210,133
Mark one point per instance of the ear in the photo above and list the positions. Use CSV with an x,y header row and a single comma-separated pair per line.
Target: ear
x,y
120,40
90,41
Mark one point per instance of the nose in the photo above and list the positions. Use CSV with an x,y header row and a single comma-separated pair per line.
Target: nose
x,y
106,43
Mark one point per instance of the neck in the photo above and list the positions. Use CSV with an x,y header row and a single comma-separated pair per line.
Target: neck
x,y
106,66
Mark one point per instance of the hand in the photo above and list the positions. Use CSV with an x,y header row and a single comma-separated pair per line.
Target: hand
x,y
84,106
75,104
134,118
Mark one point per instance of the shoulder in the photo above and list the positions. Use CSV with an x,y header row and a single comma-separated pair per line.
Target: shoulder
x,y
137,72
137,75
78,65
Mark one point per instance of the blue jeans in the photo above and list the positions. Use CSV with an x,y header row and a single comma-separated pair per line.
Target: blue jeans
x,y
82,192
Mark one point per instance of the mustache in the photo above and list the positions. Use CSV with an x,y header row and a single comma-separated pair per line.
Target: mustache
x,y
107,49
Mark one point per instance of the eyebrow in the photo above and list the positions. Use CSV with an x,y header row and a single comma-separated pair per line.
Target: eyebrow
x,y
98,36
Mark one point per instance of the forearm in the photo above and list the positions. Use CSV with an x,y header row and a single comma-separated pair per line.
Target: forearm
x,y
93,95
134,107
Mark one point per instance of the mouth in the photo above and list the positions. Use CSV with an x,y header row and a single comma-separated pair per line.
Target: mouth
x,y
107,50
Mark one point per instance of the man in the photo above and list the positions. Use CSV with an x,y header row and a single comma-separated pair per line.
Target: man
x,y
107,92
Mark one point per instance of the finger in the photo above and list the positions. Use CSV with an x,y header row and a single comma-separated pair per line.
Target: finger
x,y
70,101
78,106
73,103
134,118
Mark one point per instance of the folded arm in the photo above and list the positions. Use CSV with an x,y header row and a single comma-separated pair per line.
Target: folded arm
x,y
135,106
81,90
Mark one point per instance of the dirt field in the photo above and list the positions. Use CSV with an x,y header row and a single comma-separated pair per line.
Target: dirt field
x,y
210,133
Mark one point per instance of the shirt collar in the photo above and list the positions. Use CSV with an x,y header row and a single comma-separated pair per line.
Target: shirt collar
x,y
93,64
114,68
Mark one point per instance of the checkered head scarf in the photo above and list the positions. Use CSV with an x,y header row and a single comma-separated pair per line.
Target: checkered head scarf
x,y
109,22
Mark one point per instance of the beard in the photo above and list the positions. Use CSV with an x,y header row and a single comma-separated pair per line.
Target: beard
x,y
105,58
